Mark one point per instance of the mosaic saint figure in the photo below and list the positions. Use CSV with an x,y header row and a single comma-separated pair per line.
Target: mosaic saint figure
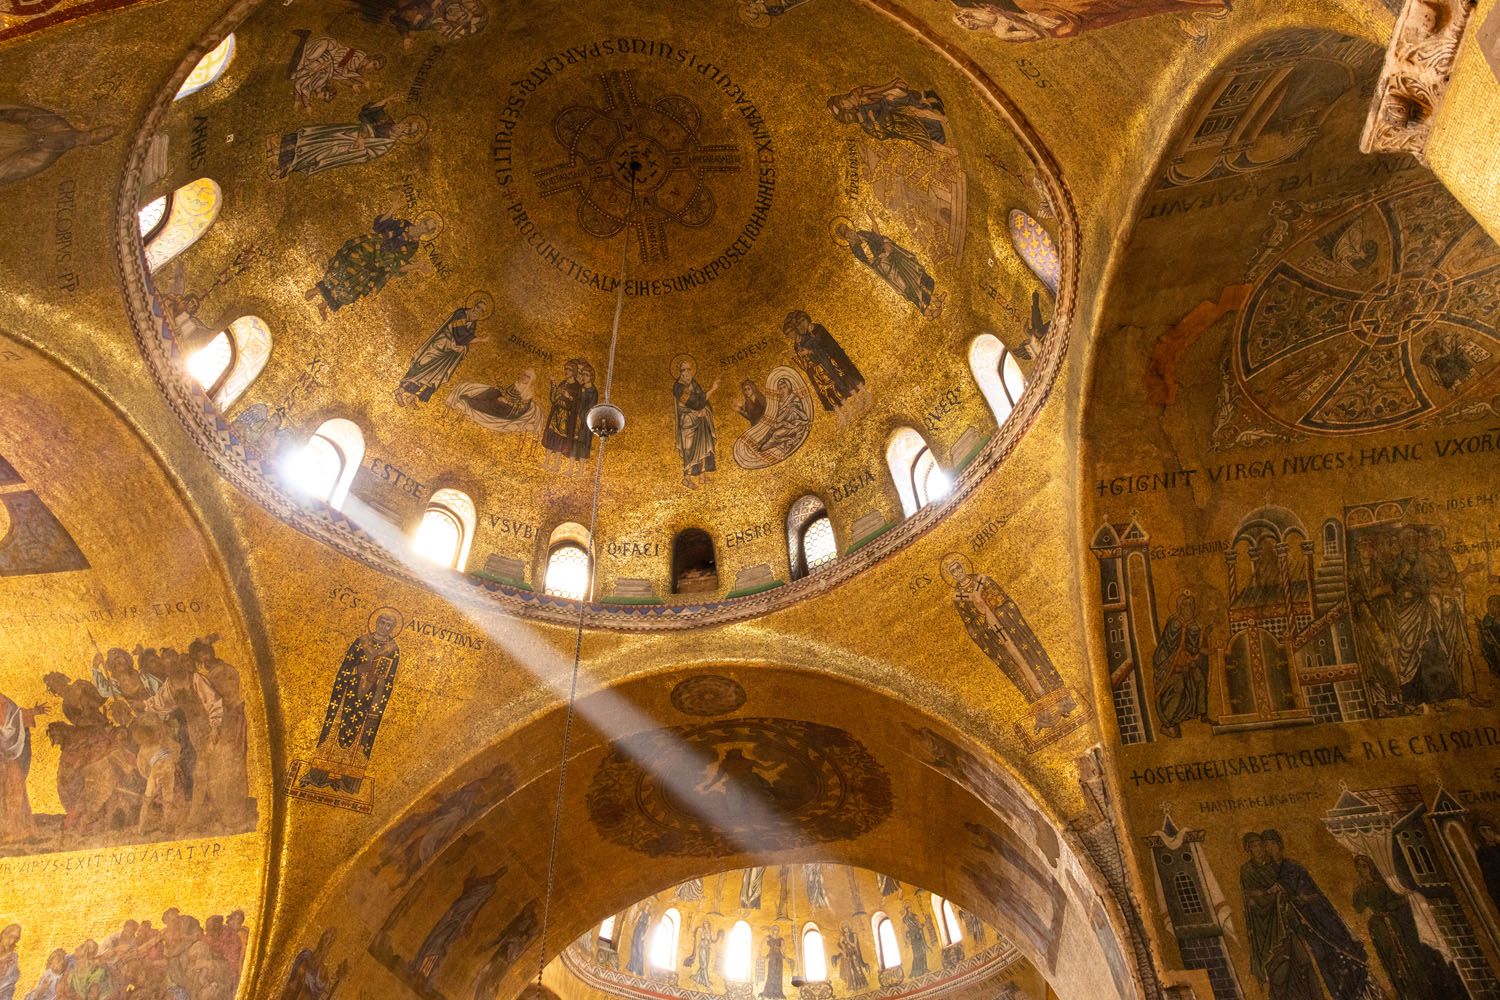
x,y
697,441
15,765
438,358
849,956
10,962
32,139
509,409
916,941
1181,667
1445,358
638,935
451,19
420,837
477,890
566,436
50,984
508,948
887,885
995,624
361,690
1432,639
321,63
833,376
896,265
817,892
310,978
1487,853
894,111
1031,20
1296,935
313,149
702,957
750,885
691,890
775,962
778,426
363,265
758,13
1417,970
1489,635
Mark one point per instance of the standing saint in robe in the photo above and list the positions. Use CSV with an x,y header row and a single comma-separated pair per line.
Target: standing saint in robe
x,y
310,978
850,958
817,892
15,766
32,139
438,358
995,624
320,63
750,883
916,941
895,111
775,960
566,436
1031,20
315,148
702,957
696,438
361,691
638,935
455,922
363,265
1181,667
896,265
1489,634
833,376
1417,970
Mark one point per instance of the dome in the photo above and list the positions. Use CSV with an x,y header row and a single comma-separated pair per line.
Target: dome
x,y
446,216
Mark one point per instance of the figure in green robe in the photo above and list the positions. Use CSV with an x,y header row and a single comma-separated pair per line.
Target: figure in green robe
x,y
363,265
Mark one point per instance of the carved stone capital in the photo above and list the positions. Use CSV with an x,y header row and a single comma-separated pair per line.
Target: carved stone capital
x,y
1415,76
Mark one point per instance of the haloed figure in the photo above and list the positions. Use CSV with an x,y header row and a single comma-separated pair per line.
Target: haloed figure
x,y
438,358
1181,664
697,441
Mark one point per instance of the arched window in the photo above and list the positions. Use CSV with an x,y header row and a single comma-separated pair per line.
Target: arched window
x,y
1035,247
186,215
999,376
887,950
227,364
663,953
324,467
814,958
152,216
569,566
809,536
607,929
695,570
209,68
949,927
739,954
918,477
447,529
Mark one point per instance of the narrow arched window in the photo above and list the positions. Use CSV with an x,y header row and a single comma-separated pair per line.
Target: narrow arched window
x,y
999,376
949,927
324,467
663,953
209,68
814,958
569,566
739,954
809,536
447,529
918,477
231,360
1034,246
152,216
887,950
695,569
607,930
186,215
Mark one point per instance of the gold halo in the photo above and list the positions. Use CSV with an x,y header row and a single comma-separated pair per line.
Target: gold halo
x,y
677,363
400,619
833,229
421,125
430,214
482,298
754,18
943,566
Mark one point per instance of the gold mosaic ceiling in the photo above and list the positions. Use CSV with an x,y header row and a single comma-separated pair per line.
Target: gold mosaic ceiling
x,y
819,245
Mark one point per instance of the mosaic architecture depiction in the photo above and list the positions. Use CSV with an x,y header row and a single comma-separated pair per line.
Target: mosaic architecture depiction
x,y
750,500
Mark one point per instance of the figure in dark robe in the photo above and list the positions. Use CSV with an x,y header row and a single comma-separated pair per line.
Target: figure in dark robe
x,y
833,376
438,358
1296,936
896,266
507,949
697,439
1032,20
1488,856
1181,667
1446,360
453,19
313,149
361,691
916,941
310,977
509,409
364,264
638,935
1417,970
850,959
32,139
775,960
887,885
995,624
455,922
566,435
894,111
1489,634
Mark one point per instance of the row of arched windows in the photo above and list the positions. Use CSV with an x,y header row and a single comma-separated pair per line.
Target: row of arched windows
x,y
738,962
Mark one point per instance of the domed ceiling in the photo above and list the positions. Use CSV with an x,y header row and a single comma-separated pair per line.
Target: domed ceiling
x,y
815,215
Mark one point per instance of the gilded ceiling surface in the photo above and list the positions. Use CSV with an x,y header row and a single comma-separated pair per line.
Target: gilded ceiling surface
x,y
431,221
